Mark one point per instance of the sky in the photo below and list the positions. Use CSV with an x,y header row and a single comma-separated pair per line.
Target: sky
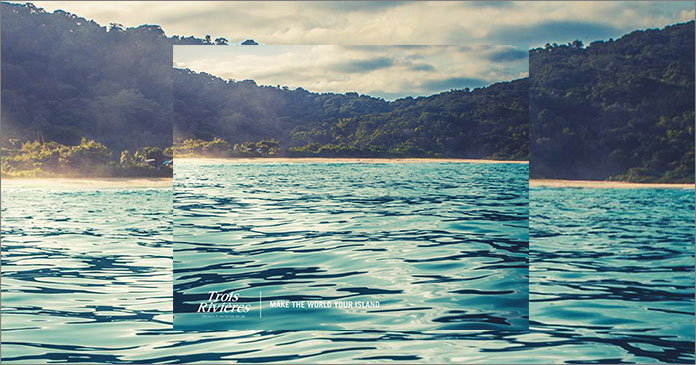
x,y
529,23
389,72
466,24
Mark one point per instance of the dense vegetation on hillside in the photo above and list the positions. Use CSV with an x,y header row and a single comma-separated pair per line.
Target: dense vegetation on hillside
x,y
487,122
65,78
86,159
621,109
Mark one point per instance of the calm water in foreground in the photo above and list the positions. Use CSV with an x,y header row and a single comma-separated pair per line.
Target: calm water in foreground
x,y
86,277
612,272
439,246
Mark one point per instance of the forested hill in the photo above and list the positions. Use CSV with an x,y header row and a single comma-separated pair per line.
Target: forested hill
x,y
65,77
621,109
487,122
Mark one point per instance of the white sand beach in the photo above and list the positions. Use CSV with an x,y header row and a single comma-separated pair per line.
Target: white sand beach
x,y
604,184
335,160
85,183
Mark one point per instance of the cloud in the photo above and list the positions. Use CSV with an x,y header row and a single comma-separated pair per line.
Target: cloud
x,y
422,67
508,55
454,83
492,4
365,65
387,95
359,6
542,32
529,23
383,71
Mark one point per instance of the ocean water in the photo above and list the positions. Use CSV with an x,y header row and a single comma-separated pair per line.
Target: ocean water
x,y
86,278
612,273
425,247
85,273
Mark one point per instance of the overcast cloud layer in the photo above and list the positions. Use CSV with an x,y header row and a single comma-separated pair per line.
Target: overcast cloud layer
x,y
385,71
460,23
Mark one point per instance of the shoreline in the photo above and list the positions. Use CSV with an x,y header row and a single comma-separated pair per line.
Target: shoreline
x,y
159,182
336,160
550,183
86,182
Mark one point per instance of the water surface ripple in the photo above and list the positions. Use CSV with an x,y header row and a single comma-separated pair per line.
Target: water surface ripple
x,y
440,246
86,278
612,273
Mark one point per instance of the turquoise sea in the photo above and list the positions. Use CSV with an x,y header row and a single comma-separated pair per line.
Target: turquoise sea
x,y
612,273
87,274
437,246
